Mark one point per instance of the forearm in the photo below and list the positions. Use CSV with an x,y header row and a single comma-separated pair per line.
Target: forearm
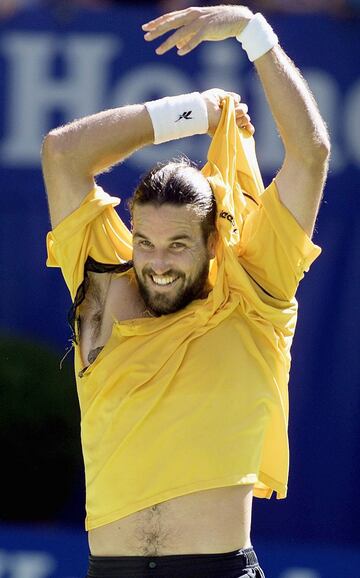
x,y
95,143
293,107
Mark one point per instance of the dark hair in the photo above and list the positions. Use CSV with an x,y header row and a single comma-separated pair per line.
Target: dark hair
x,y
178,182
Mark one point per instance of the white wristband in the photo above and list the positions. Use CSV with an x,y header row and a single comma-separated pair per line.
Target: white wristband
x,y
258,37
176,117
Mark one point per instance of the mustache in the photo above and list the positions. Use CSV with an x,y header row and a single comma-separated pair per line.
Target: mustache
x,y
170,273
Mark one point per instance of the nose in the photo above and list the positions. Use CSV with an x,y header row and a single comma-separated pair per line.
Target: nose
x,y
160,262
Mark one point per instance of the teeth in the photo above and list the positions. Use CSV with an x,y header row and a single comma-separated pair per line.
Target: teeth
x,y
162,280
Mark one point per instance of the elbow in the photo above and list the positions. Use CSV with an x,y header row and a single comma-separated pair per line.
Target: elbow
x,y
322,150
53,146
61,148
51,149
316,156
319,157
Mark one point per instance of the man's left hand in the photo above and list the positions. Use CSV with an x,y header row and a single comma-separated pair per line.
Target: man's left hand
x,y
213,99
194,25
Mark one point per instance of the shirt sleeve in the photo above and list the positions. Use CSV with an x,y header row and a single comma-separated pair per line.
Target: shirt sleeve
x,y
93,230
274,250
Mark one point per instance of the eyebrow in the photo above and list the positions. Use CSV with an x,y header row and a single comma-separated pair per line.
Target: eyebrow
x,y
182,236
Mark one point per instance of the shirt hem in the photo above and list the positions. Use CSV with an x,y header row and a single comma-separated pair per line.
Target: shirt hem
x,y
233,480
270,486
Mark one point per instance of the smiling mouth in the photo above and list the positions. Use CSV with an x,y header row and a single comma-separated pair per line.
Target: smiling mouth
x,y
165,281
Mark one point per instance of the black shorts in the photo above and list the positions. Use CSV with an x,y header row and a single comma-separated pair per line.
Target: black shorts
x,y
236,564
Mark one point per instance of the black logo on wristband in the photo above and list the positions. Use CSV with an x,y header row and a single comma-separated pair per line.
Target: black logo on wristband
x,y
185,115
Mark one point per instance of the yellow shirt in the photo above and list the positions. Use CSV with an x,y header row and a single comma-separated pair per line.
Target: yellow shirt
x,y
196,399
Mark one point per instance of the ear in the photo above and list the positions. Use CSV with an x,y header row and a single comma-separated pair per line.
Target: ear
x,y
211,243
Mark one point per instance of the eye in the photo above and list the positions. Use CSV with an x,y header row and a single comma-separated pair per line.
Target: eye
x,y
177,245
145,243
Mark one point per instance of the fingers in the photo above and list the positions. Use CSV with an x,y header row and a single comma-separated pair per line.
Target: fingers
x,y
250,128
236,97
165,23
241,109
191,44
158,21
186,39
180,38
243,119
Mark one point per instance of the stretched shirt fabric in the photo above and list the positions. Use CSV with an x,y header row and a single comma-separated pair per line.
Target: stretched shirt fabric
x,y
196,399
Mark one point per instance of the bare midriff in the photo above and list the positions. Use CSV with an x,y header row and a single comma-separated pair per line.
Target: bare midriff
x,y
206,522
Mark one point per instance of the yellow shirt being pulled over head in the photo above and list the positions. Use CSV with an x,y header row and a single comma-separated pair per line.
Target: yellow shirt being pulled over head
x,y
196,399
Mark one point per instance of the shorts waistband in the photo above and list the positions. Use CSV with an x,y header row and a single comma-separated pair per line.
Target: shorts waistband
x,y
171,565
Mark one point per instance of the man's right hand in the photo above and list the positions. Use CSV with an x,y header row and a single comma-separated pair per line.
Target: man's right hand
x,y
213,99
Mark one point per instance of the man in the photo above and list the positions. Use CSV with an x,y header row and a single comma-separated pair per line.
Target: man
x,y
182,329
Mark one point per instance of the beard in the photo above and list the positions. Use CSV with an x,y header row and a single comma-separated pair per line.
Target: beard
x,y
161,303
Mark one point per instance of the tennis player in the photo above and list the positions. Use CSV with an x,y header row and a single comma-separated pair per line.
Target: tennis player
x,y
183,324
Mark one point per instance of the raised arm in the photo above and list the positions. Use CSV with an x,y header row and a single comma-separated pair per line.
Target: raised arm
x,y
74,154
301,179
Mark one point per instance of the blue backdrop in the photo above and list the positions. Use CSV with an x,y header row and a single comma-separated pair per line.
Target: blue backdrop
x,y
57,68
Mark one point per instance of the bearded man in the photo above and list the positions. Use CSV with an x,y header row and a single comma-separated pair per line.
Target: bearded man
x,y
183,326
